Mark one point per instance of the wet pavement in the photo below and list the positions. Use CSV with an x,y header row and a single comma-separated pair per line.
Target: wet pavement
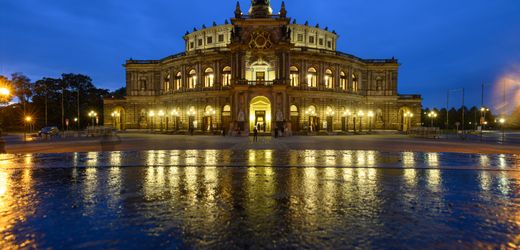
x,y
259,199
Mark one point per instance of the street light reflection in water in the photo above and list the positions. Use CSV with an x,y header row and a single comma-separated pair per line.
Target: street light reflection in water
x,y
212,199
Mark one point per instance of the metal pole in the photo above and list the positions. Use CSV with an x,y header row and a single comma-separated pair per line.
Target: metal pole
x,y
79,116
463,115
504,100
482,97
482,114
448,110
62,108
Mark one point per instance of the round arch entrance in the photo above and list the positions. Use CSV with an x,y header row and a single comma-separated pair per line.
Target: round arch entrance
x,y
260,114
405,119
118,118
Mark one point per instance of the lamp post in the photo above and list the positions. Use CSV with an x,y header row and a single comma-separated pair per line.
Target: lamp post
x,y
115,119
151,114
330,113
175,115
93,115
28,121
210,113
76,123
502,121
432,115
346,115
5,93
370,117
113,115
161,115
360,115
191,120
407,120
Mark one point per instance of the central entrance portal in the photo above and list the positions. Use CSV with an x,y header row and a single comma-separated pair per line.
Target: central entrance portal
x,y
260,121
260,114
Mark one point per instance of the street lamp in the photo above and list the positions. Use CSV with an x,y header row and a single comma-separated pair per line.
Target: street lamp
x,y
161,115
483,111
502,121
151,114
28,121
5,92
432,116
370,117
346,115
407,120
330,114
76,122
93,115
115,118
361,114
175,117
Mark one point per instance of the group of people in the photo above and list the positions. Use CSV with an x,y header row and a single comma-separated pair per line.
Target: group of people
x,y
237,131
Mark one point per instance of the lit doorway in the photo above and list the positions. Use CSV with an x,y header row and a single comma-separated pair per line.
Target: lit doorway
x,y
260,121
260,114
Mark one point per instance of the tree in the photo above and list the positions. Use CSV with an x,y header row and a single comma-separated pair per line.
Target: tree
x,y
23,89
42,89
87,96
68,97
118,93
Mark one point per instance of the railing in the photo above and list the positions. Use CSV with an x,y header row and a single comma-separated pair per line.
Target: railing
x,y
251,17
255,83
132,61
424,132
410,96
393,60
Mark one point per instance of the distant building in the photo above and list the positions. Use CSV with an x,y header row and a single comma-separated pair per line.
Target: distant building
x,y
262,69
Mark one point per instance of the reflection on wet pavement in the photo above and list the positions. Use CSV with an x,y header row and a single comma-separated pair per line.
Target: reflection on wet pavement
x,y
265,158
282,199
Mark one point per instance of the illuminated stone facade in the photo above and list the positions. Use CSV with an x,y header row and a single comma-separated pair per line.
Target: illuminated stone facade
x,y
262,69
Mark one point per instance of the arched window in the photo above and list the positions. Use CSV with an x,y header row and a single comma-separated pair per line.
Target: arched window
x,y
226,76
226,110
294,76
311,77
208,78
192,81
355,83
343,81
294,110
311,111
209,111
166,83
178,81
329,79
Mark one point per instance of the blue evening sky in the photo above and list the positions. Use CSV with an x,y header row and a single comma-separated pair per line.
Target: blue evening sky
x,y
441,44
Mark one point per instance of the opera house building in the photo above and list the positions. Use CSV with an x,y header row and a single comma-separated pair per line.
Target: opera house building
x,y
266,70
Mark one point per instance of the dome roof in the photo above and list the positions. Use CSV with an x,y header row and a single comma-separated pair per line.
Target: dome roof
x,y
260,9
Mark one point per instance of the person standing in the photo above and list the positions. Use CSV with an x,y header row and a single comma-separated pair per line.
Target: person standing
x,y
255,133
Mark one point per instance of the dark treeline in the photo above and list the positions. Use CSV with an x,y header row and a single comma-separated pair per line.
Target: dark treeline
x,y
51,101
472,118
